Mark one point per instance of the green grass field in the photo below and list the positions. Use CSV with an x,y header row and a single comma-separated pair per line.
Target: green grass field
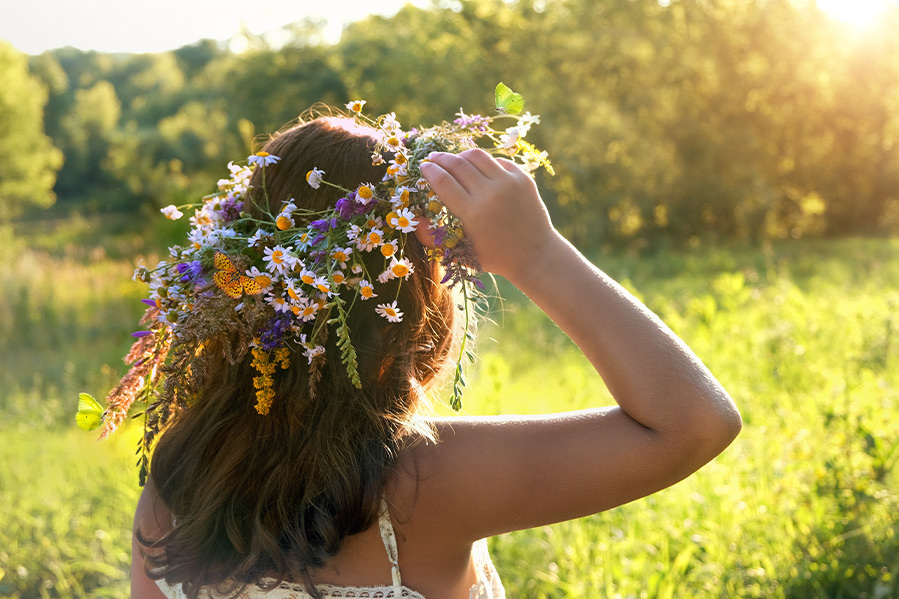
x,y
802,505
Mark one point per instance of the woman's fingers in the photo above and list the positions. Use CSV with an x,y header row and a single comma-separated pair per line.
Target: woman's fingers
x,y
442,182
471,169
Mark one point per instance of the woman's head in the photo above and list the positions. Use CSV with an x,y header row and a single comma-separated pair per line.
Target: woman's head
x,y
389,352
277,493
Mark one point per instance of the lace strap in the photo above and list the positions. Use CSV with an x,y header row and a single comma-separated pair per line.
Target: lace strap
x,y
389,538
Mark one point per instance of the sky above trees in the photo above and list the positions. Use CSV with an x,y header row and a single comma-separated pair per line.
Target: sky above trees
x,y
138,26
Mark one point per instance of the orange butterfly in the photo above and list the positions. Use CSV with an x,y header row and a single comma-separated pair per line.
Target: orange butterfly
x,y
232,282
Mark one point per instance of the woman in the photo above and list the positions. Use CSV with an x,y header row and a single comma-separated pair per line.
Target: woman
x,y
305,498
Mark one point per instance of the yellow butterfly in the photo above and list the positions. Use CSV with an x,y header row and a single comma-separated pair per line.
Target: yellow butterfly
x,y
90,413
232,282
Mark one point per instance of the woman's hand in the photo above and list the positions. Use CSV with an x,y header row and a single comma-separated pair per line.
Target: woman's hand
x,y
498,204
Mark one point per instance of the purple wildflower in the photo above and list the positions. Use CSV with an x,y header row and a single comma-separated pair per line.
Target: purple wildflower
x,y
149,302
230,209
190,271
348,207
140,334
273,334
323,224
439,234
472,122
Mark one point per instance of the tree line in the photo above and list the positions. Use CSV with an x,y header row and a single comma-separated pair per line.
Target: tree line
x,y
666,121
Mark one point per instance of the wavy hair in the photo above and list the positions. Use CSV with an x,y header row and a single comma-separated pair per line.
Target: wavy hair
x,y
274,496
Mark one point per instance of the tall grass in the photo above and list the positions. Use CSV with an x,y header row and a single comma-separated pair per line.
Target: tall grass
x,y
802,505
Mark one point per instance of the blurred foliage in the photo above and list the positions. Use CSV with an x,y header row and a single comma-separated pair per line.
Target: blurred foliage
x,y
667,121
28,160
803,505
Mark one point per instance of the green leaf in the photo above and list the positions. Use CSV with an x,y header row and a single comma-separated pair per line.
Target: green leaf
x,y
90,412
507,101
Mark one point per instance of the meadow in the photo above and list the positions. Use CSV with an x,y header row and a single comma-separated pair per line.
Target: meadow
x,y
803,504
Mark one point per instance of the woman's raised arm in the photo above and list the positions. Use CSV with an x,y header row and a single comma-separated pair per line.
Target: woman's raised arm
x,y
507,473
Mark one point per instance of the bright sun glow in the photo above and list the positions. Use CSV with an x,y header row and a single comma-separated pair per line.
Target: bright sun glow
x,y
860,13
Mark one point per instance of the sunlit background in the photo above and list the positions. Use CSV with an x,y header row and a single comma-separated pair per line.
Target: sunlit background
x,y
734,162
135,26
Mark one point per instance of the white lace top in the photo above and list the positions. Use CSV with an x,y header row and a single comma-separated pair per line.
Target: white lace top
x,y
488,585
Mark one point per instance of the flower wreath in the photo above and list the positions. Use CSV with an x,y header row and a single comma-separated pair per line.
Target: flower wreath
x,y
285,270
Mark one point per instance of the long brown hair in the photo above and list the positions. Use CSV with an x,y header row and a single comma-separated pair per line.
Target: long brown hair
x,y
255,496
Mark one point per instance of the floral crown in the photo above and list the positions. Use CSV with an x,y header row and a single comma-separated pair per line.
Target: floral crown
x,y
278,281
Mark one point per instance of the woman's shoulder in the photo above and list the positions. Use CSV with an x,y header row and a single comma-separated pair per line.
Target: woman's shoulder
x,y
152,517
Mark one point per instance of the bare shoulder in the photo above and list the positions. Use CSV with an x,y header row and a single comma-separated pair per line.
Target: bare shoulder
x,y
151,519
151,516
491,475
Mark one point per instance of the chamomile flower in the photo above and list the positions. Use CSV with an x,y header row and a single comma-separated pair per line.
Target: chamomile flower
x,y
306,310
258,236
310,353
389,123
280,261
307,276
400,269
403,220
365,193
293,290
341,255
278,302
355,106
321,283
284,221
314,178
366,290
389,248
393,141
390,312
509,139
395,169
400,199
262,279
338,277
262,159
370,241
171,212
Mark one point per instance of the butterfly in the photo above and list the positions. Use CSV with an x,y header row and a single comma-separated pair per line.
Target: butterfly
x,y
232,282
90,413
507,101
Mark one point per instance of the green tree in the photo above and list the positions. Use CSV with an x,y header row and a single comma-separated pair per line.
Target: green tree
x,y
28,159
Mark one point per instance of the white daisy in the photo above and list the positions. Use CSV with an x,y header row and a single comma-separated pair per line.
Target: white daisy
x,y
366,290
306,310
262,159
263,279
321,283
404,220
278,302
341,255
365,194
314,178
314,351
400,269
307,276
258,236
171,212
390,312
355,106
280,260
